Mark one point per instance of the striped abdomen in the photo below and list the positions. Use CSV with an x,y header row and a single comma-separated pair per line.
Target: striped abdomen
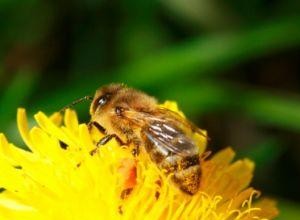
x,y
175,153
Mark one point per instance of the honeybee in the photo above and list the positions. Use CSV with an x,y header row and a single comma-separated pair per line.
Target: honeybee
x,y
132,116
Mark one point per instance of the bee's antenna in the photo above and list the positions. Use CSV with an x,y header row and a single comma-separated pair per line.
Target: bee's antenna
x,y
85,98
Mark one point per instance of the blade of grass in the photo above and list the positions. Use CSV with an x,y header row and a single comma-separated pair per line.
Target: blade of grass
x,y
207,54
202,56
265,107
283,111
200,98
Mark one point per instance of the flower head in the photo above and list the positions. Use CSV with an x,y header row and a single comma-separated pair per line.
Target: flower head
x,y
59,178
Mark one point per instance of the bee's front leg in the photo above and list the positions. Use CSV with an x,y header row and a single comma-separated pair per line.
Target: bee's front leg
x,y
104,140
96,125
107,138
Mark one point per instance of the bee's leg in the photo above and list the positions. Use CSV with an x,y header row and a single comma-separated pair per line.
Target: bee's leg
x,y
98,126
136,150
104,140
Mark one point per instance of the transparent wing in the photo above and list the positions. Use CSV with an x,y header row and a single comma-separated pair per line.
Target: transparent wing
x,y
171,133
182,122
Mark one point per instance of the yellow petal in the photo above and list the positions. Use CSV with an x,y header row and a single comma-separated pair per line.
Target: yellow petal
x,y
54,181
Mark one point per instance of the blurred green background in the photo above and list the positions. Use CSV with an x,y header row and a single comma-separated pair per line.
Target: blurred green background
x,y
233,67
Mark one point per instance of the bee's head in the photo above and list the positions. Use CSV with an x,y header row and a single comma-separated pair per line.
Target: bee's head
x,y
117,100
105,96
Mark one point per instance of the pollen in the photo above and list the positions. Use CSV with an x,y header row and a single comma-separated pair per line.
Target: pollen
x,y
58,178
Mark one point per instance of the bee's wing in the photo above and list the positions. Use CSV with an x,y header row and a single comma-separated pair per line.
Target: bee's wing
x,y
171,133
181,121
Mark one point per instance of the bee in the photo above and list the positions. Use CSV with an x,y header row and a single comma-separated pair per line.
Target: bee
x,y
133,117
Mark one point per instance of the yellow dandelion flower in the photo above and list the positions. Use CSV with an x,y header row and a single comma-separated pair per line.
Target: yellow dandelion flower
x,y
58,178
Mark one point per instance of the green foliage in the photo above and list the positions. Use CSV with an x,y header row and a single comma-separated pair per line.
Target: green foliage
x,y
199,53
288,210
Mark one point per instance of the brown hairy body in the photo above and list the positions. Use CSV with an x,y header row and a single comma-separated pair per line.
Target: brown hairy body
x,y
134,117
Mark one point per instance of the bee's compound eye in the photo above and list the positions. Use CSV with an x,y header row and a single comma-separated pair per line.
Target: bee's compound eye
x,y
119,110
103,100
